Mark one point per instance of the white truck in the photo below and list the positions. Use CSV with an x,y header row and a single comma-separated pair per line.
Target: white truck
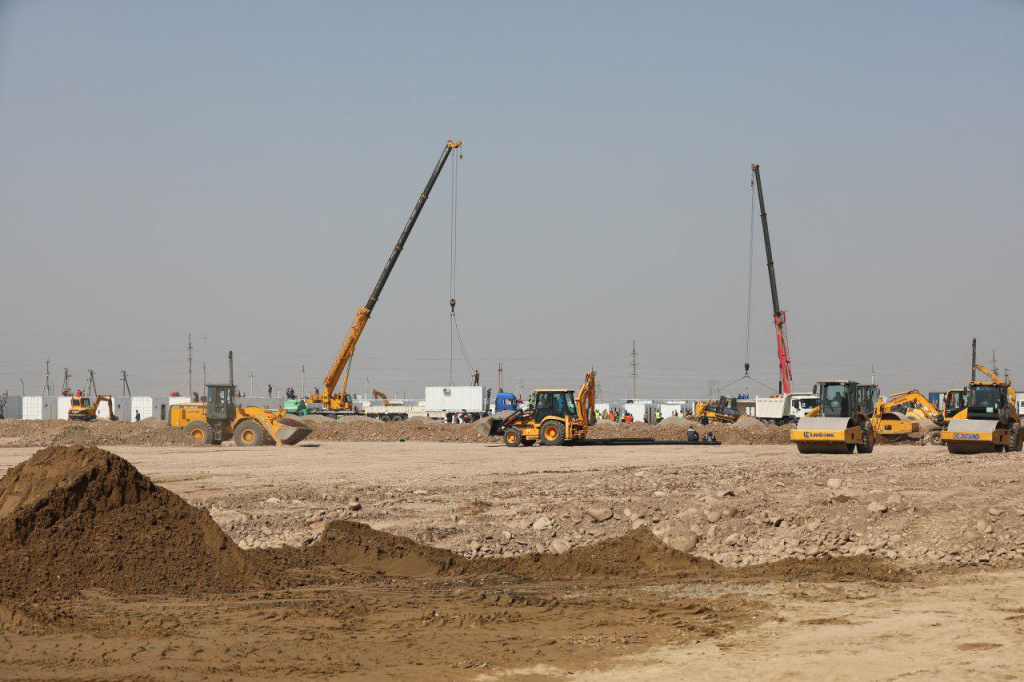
x,y
786,408
443,403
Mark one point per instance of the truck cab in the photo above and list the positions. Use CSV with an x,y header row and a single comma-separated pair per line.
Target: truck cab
x,y
506,402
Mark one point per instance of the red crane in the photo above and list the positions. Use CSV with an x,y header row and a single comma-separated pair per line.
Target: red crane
x,y
781,335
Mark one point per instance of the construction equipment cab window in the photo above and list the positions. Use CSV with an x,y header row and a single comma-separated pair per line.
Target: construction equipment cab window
x,y
837,401
555,405
988,399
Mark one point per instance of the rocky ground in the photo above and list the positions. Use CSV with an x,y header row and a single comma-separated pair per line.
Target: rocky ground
x,y
922,557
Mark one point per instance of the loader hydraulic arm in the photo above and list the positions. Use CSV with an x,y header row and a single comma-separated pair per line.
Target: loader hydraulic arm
x,y
586,398
328,398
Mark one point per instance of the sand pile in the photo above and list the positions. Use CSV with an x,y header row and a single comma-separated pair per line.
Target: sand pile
x,y
363,429
32,433
80,517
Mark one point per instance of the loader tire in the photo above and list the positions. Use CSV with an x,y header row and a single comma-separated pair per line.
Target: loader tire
x,y
933,438
513,437
201,432
250,433
1015,438
552,433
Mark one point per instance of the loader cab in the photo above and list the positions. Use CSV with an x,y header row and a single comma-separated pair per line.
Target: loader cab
x,y
727,406
220,402
554,403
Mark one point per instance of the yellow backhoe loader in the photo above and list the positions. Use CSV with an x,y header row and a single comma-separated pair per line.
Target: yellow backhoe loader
x,y
841,423
556,418
83,408
902,415
219,419
988,420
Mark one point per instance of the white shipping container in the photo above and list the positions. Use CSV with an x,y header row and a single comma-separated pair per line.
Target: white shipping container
x,y
38,407
456,399
12,410
639,410
668,408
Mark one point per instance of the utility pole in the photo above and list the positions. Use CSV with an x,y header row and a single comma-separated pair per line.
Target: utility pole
x,y
22,386
974,359
67,382
501,379
251,393
632,363
204,378
995,367
231,371
303,391
872,374
190,366
127,390
47,387
91,384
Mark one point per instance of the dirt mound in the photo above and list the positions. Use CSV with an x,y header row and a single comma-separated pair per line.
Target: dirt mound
x,y
828,568
363,429
79,517
753,432
636,554
32,433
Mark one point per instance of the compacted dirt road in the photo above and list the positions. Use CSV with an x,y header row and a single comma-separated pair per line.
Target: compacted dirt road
x,y
905,563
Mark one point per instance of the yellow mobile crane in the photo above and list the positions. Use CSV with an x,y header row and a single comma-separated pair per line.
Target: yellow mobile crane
x,y
336,404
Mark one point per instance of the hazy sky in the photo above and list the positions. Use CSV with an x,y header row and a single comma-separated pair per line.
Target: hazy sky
x,y
240,170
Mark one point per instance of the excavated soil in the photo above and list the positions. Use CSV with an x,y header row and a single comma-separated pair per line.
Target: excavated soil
x,y
33,433
77,517
106,574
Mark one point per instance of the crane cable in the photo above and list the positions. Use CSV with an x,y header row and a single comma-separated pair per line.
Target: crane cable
x,y
750,295
453,326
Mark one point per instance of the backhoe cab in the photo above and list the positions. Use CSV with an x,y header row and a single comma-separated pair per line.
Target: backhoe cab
x,y
219,419
841,423
558,417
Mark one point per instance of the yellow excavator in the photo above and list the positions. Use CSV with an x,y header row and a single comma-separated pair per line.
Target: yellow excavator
x,y
988,420
722,411
83,408
325,400
841,423
899,417
556,417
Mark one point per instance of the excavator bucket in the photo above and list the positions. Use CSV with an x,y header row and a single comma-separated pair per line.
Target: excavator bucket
x,y
289,431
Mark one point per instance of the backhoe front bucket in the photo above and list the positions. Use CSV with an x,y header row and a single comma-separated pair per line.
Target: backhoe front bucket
x,y
290,431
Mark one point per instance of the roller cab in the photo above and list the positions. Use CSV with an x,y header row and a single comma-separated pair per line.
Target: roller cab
x,y
988,422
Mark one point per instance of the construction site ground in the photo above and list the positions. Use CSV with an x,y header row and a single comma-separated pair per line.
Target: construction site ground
x,y
629,562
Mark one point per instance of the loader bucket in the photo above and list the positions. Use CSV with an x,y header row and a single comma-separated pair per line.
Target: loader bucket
x,y
290,431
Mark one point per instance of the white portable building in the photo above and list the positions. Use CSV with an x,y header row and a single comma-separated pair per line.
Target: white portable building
x,y
147,407
456,398
38,407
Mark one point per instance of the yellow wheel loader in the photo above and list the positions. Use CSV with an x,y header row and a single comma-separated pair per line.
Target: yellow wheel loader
x,y
219,419
841,423
989,421
556,417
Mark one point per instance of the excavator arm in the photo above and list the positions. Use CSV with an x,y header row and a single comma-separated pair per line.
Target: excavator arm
x,y
907,397
996,379
337,401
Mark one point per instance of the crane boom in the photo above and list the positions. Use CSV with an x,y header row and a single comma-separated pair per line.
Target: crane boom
x,y
781,334
330,400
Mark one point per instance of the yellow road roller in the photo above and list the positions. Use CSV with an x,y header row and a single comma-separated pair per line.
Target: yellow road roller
x,y
842,421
